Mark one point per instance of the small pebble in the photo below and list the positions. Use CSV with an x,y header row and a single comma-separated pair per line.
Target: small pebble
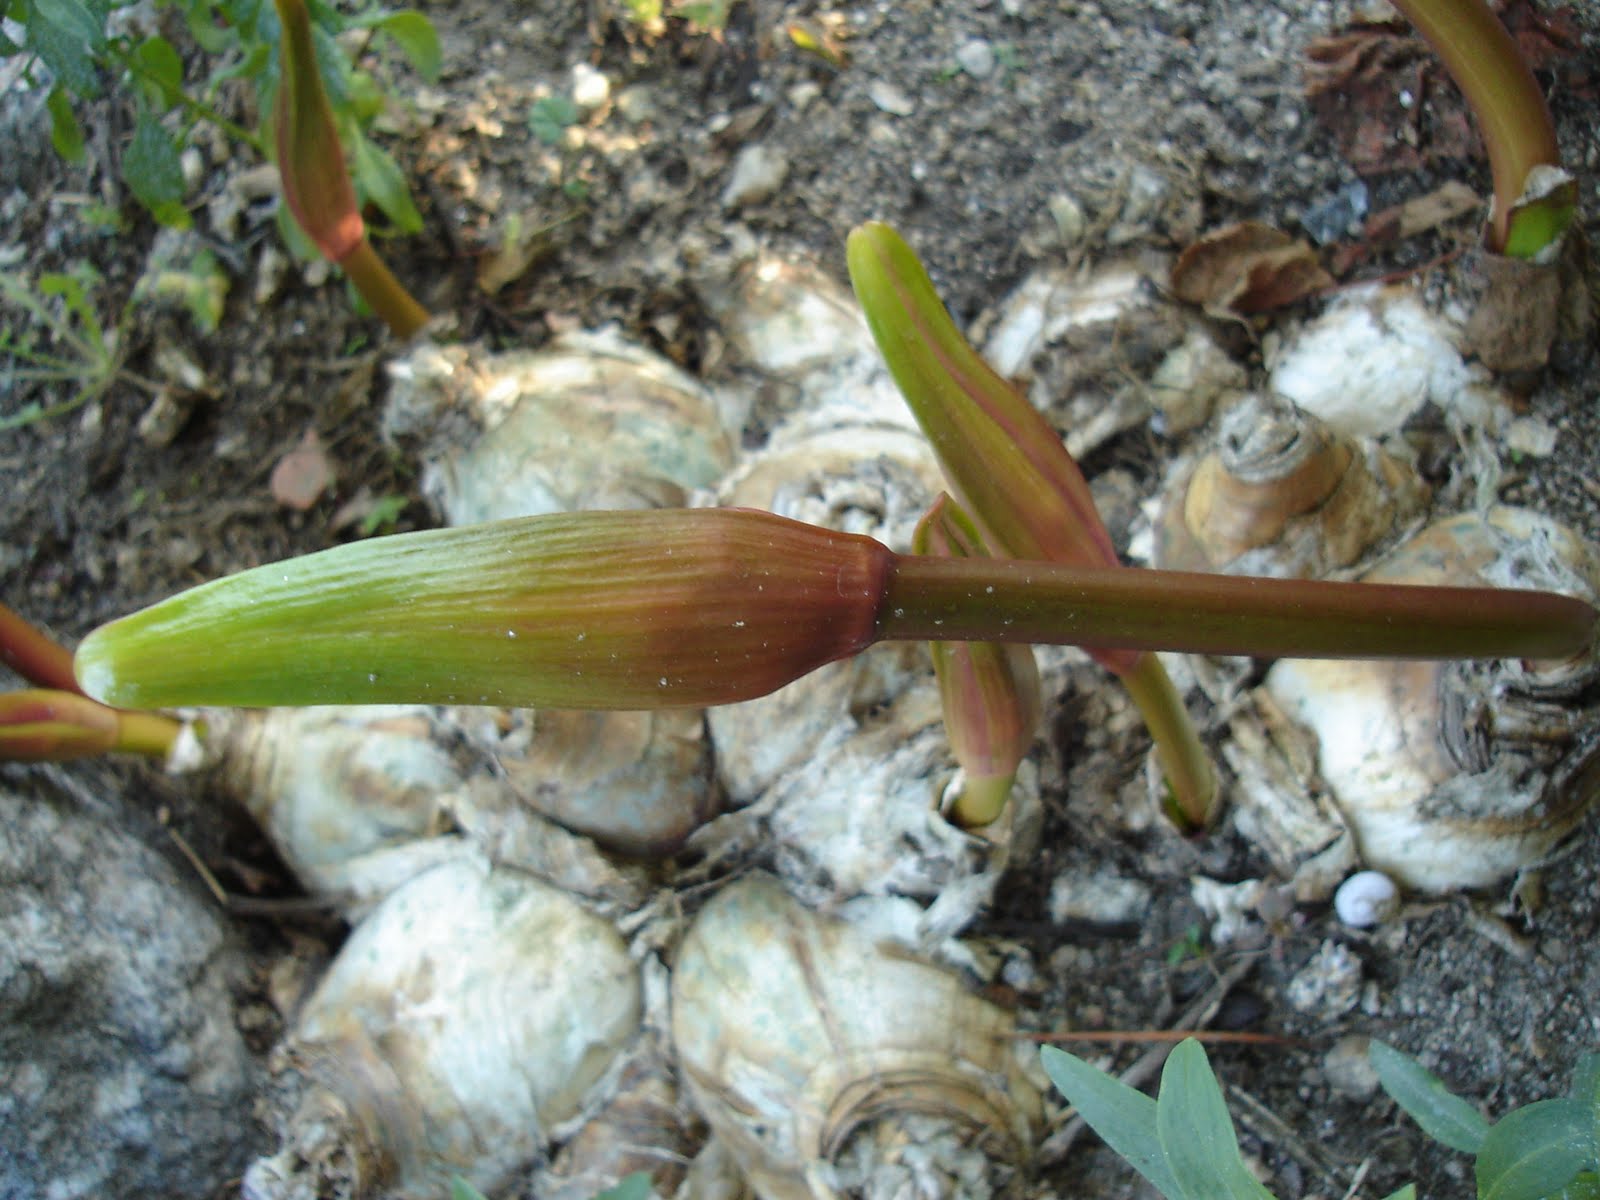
x,y
758,172
1329,985
1366,899
1348,1069
890,99
590,89
976,58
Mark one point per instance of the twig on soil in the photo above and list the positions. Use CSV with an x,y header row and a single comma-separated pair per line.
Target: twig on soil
x,y
1266,1125
1197,1015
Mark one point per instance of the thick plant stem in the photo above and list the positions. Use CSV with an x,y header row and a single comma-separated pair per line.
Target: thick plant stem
x,y
690,607
1191,797
1010,601
1489,68
378,286
33,655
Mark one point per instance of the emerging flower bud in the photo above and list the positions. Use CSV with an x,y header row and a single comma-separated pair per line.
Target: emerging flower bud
x,y
990,692
622,610
316,185
1006,465
41,725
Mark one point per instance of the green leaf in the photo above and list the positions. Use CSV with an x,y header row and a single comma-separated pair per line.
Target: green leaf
x,y
1586,1084
1444,1116
550,117
1409,1192
66,135
1536,1151
1197,1134
460,1189
162,67
1124,1118
380,180
634,1187
67,36
152,170
417,39
1584,1187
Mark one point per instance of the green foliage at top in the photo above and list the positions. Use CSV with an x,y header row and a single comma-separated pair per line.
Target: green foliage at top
x,y
1183,1141
76,49
1547,1150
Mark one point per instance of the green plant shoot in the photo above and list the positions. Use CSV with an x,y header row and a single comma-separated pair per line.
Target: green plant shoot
x,y
1183,1141
316,183
1011,472
1534,201
990,693
1547,1150
692,607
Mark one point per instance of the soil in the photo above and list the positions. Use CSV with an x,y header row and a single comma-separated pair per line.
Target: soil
x,y
1152,119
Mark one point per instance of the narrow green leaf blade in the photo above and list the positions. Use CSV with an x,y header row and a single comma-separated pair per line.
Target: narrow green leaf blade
x,y
1409,1192
633,1187
1586,1083
1444,1116
1536,1151
1197,1135
1124,1118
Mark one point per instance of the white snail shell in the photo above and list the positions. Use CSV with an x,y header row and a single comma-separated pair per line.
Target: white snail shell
x,y
1366,899
1283,495
795,1033
1455,775
469,1014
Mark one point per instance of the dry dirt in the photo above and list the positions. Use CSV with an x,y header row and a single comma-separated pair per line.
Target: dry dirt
x,y
1159,118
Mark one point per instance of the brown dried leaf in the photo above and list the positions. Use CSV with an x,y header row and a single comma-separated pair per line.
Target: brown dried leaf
x,y
1247,268
1378,89
303,474
1422,213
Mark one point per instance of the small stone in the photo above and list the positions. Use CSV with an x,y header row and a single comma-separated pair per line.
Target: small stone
x,y
1067,213
890,99
590,89
1348,1069
758,172
1531,436
976,57
636,104
1329,985
160,423
1102,897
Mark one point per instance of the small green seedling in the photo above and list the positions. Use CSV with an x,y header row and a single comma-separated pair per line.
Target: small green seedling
x,y
85,56
59,341
1534,200
54,720
1547,1150
1183,1141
